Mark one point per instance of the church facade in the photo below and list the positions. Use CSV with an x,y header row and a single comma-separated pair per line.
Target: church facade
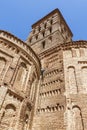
x,y
43,81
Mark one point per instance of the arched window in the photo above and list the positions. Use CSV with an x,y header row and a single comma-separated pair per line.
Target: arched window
x,y
50,39
74,119
84,78
51,21
72,79
8,117
43,44
21,76
50,29
45,25
26,121
43,33
2,64
30,40
77,119
33,88
36,37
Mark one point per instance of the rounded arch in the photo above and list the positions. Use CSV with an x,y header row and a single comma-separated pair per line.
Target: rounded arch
x,y
2,58
84,78
8,116
72,80
84,67
10,106
2,64
69,67
21,76
23,64
76,106
77,118
26,117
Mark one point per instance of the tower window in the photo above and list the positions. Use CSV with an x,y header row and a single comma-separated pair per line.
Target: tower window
x,y
50,38
43,33
30,40
43,44
36,37
50,29
45,25
51,21
39,29
33,31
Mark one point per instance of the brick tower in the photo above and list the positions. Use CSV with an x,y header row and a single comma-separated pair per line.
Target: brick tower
x,y
62,94
45,39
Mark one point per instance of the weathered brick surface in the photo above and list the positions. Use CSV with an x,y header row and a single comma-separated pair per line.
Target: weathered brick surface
x,y
19,76
44,89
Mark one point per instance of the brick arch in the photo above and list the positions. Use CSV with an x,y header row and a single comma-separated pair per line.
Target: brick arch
x,y
26,121
77,117
83,67
21,76
11,103
23,64
22,115
72,80
76,106
84,78
8,116
10,106
71,67
2,58
2,64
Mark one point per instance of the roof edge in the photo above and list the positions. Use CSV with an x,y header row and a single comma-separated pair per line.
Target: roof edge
x,y
49,14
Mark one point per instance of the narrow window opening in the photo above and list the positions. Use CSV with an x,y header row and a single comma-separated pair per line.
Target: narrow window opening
x,y
33,31
51,21
50,29
45,25
43,33
39,29
50,38
30,40
36,37
43,44
26,118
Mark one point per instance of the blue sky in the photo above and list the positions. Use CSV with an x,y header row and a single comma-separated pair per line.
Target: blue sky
x,y
17,16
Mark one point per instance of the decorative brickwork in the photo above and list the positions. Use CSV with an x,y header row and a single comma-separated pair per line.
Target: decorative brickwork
x,y
43,81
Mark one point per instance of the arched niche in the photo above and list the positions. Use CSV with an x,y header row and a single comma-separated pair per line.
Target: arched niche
x,y
77,118
21,76
33,87
74,118
24,115
2,64
84,78
7,117
72,80
27,117
26,120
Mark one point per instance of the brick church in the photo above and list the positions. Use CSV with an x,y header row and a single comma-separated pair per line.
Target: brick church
x,y
43,81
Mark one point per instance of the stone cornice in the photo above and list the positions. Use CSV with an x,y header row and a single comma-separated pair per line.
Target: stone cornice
x,y
74,44
64,46
19,95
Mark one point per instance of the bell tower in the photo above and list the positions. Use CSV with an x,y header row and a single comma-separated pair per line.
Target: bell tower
x,y
46,37
49,31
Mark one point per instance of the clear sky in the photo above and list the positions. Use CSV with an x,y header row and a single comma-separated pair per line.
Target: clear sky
x,y
17,16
